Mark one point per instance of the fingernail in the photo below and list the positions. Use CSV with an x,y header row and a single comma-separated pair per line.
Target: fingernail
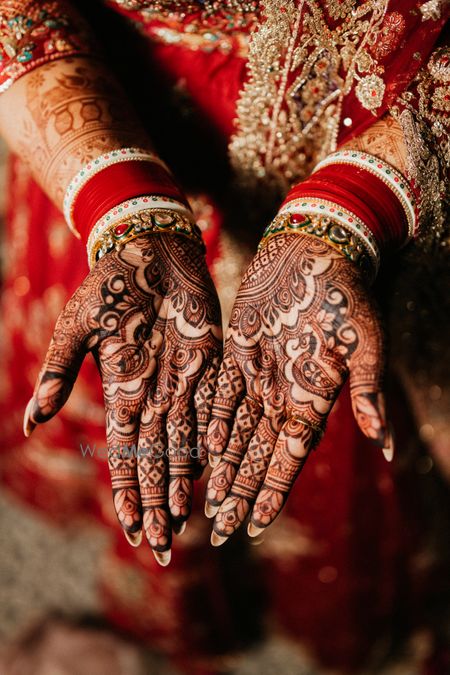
x,y
213,461
28,425
388,450
210,510
254,531
179,529
163,557
217,540
133,538
388,454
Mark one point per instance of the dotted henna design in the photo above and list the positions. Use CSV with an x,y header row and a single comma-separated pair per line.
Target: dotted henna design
x,y
302,322
150,315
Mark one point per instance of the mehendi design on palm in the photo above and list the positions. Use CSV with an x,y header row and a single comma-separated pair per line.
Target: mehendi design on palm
x,y
302,321
150,315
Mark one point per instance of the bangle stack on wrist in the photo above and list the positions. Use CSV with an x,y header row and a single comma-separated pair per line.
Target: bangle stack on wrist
x,y
119,171
334,233
121,195
143,215
358,204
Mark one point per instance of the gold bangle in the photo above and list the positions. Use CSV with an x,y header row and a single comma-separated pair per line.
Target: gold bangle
x,y
336,235
385,172
147,221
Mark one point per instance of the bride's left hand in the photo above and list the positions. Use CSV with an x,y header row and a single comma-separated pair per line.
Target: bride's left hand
x,y
303,320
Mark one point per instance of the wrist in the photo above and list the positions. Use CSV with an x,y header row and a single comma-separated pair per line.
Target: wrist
x,y
147,215
122,195
337,237
358,204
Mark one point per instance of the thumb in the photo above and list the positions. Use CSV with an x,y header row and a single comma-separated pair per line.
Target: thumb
x,y
369,409
60,369
367,368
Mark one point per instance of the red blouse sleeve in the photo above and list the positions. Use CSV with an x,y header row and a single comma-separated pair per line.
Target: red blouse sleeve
x,y
33,33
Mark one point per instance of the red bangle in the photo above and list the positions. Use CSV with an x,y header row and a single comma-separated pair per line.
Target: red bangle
x,y
375,215
116,184
362,193
391,222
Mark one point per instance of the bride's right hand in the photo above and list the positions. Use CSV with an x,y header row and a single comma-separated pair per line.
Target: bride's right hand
x,y
151,317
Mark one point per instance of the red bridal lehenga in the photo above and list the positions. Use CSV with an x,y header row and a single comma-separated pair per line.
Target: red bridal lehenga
x,y
237,97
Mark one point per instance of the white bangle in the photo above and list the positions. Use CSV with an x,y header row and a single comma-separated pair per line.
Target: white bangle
x,y
95,166
115,217
385,172
322,207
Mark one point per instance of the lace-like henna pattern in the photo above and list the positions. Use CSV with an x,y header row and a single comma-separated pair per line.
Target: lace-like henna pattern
x,y
302,321
150,315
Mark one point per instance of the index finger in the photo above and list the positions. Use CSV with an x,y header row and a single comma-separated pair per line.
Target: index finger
x,y
293,445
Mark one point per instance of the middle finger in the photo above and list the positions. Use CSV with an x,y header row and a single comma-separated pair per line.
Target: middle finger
x,y
247,483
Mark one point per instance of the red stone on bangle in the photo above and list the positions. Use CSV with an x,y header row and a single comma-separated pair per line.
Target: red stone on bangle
x,y
121,229
360,192
117,183
297,218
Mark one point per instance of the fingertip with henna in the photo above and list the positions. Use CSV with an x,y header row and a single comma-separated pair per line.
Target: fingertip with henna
x,y
133,538
210,510
163,557
217,540
28,424
388,450
253,530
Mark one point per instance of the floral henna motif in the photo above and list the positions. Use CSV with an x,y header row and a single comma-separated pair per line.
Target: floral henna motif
x,y
289,456
150,315
247,417
302,322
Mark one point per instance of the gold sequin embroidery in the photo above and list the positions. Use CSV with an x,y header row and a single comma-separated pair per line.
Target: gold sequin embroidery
x,y
300,70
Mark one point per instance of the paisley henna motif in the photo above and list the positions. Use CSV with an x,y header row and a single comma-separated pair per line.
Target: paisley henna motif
x,y
150,315
302,322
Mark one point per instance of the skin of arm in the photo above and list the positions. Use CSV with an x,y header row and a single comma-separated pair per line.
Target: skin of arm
x,y
383,139
149,314
303,321
65,114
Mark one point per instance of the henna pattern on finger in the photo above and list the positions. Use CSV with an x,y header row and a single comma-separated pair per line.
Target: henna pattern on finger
x,y
290,454
203,401
150,315
248,480
369,412
303,320
181,433
222,477
230,387
153,472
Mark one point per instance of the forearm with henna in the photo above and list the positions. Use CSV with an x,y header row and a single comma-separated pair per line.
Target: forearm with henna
x,y
64,114
383,139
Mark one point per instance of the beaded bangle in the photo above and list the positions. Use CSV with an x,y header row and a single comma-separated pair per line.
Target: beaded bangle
x,y
146,221
131,207
335,234
311,206
385,172
95,166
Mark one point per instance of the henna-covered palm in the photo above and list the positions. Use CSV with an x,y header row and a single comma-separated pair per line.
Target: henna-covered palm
x,y
150,315
302,321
